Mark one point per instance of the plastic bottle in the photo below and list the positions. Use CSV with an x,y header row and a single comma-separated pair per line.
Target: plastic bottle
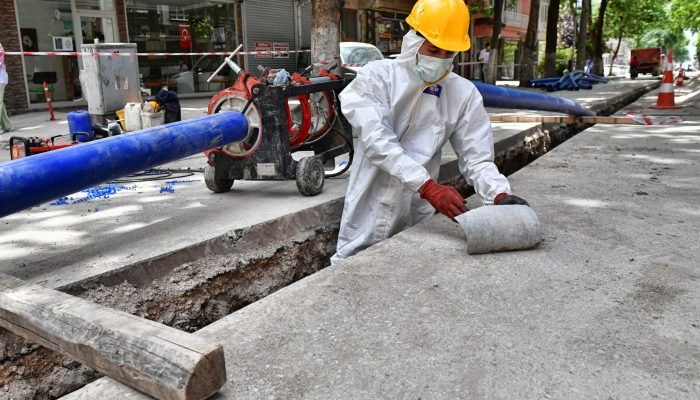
x,y
132,115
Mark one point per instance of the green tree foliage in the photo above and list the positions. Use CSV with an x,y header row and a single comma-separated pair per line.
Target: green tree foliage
x,y
668,38
685,14
631,19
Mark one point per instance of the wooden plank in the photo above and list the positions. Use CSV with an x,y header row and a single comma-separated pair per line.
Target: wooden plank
x,y
561,119
155,359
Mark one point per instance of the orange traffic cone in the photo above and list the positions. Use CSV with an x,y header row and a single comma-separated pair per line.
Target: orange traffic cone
x,y
680,78
666,99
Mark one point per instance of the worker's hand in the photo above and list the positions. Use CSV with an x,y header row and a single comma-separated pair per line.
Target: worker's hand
x,y
506,199
445,199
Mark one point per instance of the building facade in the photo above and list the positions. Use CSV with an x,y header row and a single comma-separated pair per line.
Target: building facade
x,y
183,26
172,26
516,16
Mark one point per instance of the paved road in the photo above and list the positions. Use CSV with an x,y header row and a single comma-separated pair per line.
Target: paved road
x,y
608,307
65,243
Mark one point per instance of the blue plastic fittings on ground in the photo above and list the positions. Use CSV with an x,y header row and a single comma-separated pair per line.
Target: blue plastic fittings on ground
x,y
31,181
500,97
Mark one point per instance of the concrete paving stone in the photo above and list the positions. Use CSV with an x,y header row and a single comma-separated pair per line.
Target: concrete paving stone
x,y
607,307
61,244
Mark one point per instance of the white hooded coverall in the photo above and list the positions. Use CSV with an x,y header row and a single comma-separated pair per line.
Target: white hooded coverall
x,y
402,124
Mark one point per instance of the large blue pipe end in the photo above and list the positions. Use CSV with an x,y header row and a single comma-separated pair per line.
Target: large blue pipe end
x,y
500,97
30,181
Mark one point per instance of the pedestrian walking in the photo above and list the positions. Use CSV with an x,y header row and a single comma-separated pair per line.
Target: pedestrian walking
x,y
484,55
634,67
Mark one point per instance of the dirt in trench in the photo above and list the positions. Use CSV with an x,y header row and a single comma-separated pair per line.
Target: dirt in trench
x,y
188,298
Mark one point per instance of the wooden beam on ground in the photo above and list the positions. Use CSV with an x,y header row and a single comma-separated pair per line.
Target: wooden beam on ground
x,y
160,361
561,119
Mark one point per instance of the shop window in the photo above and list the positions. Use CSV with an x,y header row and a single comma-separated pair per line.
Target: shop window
x,y
96,5
166,26
349,25
178,14
47,25
390,28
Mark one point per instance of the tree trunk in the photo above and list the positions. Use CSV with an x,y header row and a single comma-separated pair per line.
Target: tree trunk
x,y
528,56
325,33
617,49
550,52
582,35
495,42
598,67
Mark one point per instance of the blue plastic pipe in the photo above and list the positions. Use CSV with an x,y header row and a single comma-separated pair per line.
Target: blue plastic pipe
x,y
30,181
500,97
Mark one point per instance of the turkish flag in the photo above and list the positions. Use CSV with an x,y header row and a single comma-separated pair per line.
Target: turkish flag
x,y
185,37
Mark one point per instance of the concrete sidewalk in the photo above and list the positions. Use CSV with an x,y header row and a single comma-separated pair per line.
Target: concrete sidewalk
x,y
95,233
607,307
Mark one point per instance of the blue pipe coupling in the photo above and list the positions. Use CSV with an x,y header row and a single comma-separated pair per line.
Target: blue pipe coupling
x,y
31,181
500,97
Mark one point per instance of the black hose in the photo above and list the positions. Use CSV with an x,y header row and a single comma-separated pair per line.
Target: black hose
x,y
156,175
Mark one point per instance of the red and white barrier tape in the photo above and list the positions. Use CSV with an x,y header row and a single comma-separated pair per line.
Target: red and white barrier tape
x,y
344,65
210,53
647,120
151,54
498,65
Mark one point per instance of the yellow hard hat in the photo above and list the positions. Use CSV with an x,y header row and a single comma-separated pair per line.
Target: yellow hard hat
x,y
444,23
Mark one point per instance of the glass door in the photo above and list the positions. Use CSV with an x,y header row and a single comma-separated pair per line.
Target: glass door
x,y
97,28
97,21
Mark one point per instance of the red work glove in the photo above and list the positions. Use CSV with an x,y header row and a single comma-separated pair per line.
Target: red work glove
x,y
445,199
503,199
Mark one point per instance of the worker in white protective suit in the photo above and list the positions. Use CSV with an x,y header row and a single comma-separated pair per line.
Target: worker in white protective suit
x,y
404,111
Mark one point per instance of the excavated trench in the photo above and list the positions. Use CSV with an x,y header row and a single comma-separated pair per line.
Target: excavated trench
x,y
193,287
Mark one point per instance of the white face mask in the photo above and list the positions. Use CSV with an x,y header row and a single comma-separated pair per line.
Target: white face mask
x,y
430,69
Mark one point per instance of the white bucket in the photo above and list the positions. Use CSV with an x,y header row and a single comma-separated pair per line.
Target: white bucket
x,y
152,119
132,117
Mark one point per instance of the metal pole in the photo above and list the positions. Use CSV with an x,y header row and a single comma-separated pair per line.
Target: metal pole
x,y
31,181
48,101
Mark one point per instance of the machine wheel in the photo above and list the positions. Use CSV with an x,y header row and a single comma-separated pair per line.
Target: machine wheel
x,y
216,185
310,176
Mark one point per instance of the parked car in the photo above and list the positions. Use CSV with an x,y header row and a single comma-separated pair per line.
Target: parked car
x,y
196,79
354,55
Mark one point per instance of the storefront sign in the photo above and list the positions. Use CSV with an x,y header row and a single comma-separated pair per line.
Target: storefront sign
x,y
281,50
263,49
185,37
62,43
